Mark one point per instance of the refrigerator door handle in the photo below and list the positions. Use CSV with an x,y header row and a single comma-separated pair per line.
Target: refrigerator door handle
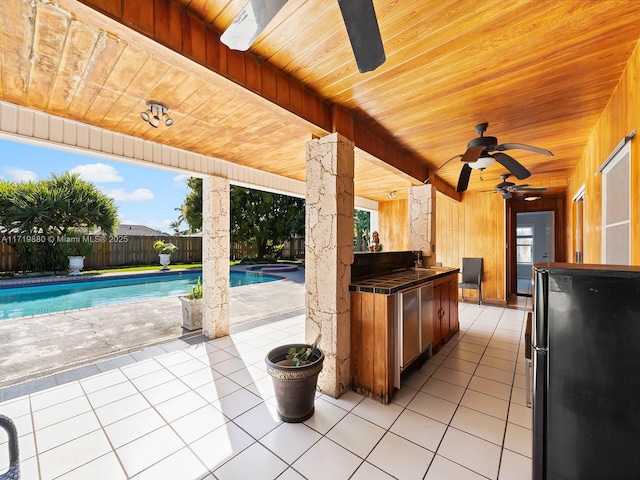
x,y
541,310
540,385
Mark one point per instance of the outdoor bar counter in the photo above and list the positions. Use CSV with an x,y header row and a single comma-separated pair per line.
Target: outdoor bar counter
x,y
399,316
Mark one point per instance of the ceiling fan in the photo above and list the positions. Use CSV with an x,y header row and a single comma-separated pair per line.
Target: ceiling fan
x,y
479,156
506,188
359,17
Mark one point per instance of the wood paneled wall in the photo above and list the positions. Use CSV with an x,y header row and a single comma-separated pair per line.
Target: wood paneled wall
x,y
393,225
619,118
474,227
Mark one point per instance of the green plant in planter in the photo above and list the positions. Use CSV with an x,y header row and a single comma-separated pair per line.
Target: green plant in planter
x,y
192,308
294,370
164,248
196,291
75,243
301,356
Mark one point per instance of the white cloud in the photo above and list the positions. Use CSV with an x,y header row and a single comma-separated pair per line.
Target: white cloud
x,y
138,195
19,174
181,180
162,225
97,173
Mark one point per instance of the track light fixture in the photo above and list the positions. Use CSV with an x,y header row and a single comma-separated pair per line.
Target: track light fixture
x,y
392,195
155,112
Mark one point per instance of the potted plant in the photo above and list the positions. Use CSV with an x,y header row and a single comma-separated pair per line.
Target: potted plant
x,y
76,247
164,251
192,308
294,369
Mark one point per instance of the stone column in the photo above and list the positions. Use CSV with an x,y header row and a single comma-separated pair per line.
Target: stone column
x,y
422,221
329,255
215,256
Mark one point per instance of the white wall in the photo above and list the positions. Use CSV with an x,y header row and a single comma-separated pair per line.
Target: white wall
x,y
543,250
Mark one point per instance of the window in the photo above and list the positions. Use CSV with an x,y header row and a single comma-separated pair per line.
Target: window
x,y
616,209
524,244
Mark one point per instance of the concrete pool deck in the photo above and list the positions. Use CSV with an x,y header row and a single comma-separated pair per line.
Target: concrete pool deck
x,y
46,346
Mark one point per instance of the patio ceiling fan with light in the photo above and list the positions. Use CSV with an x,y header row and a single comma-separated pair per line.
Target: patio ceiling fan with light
x,y
480,155
359,18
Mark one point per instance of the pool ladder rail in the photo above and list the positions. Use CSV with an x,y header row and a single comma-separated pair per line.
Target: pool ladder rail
x,y
13,473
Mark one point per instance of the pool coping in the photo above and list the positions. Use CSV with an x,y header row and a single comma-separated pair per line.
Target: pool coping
x,y
89,277
269,271
97,277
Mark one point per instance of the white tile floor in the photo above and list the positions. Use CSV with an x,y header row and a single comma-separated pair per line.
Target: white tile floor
x,y
206,412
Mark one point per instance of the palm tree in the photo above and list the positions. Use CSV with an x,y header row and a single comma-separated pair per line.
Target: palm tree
x,y
36,217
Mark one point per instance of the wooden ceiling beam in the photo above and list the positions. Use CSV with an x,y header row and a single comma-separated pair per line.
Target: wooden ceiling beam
x,y
169,24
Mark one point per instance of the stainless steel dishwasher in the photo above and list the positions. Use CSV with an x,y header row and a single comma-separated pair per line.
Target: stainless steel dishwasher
x,y
414,326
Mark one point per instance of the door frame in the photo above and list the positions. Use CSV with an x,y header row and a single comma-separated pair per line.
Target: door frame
x,y
548,202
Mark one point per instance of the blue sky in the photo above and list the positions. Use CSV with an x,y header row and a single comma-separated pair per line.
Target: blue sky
x,y
144,195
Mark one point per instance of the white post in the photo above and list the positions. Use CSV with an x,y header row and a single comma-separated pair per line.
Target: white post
x,y
422,221
216,238
329,255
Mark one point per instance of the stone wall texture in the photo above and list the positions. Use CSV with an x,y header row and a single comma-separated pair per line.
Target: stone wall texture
x,y
422,219
329,255
216,210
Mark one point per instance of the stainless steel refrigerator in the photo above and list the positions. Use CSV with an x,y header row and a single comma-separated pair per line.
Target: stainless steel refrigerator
x,y
586,392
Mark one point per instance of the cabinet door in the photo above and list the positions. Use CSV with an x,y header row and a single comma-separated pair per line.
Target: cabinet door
x,y
437,315
410,326
454,326
445,329
426,316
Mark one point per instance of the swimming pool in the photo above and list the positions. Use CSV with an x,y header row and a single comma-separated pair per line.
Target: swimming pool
x,y
25,301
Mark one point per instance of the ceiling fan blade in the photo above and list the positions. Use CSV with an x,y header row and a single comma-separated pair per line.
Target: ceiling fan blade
x,y
364,34
472,154
522,146
463,181
511,164
250,22
523,188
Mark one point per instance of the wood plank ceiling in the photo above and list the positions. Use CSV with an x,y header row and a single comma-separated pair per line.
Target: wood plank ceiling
x,y
540,72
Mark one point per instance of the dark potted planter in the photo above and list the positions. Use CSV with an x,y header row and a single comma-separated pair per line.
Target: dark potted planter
x,y
294,385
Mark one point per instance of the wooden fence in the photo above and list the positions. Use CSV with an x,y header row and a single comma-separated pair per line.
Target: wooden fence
x,y
293,249
138,250
117,251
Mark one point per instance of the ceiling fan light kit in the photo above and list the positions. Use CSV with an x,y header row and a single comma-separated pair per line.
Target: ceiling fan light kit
x,y
155,112
482,163
483,151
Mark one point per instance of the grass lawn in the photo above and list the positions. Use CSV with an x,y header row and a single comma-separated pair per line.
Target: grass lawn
x,y
144,268
147,268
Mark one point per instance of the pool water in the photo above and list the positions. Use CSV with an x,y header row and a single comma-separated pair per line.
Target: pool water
x,y
38,299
